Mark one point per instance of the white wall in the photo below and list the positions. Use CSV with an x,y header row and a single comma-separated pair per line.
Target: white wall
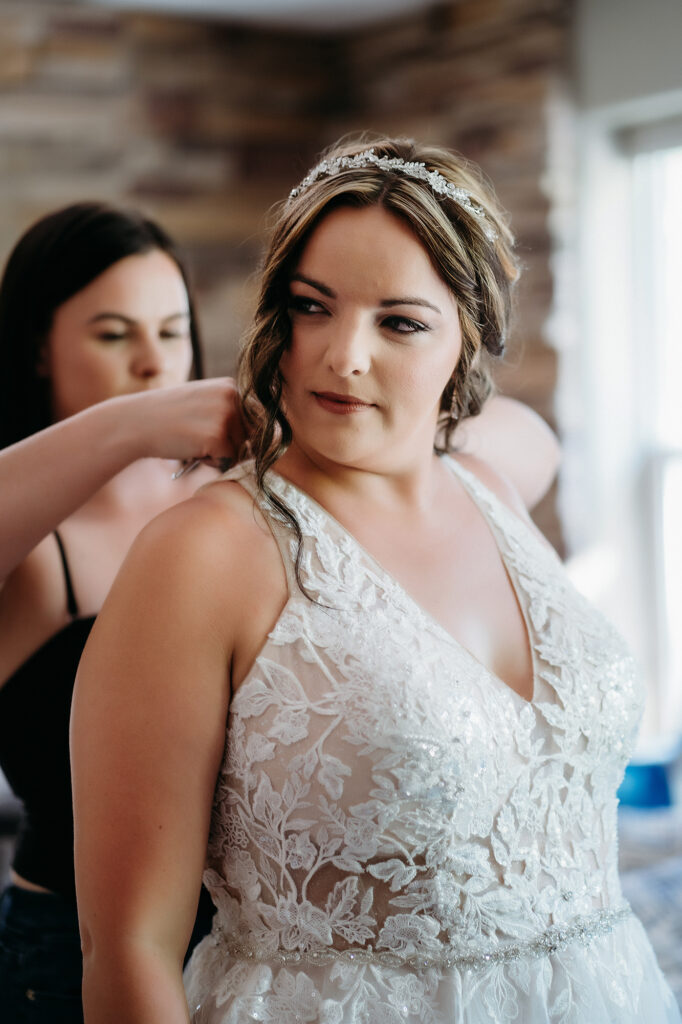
x,y
627,50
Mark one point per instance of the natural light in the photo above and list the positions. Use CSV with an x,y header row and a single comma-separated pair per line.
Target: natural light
x,y
658,196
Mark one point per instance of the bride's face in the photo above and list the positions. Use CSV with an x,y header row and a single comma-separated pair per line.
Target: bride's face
x,y
375,336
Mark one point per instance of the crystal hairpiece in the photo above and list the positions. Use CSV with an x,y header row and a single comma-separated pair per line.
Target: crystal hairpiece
x,y
412,168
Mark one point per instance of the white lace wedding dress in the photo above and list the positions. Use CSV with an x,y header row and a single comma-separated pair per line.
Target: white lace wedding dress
x,y
397,836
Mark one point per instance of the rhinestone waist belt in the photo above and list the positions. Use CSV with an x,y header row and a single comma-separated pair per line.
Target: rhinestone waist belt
x,y
554,939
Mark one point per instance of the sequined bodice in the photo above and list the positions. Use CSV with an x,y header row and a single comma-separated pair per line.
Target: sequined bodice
x,y
382,789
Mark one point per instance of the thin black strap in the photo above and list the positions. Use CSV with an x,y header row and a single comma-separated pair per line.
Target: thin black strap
x,y
71,602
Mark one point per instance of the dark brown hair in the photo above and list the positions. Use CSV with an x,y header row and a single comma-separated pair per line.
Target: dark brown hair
x,y
56,258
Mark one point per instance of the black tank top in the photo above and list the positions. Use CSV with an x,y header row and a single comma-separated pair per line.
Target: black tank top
x,y
35,706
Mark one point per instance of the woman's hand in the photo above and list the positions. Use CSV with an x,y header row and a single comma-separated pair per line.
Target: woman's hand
x,y
46,477
199,420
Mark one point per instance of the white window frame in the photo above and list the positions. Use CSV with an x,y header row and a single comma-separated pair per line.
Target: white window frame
x,y
611,489
648,146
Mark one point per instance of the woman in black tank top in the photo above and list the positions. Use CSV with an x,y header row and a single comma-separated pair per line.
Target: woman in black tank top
x,y
98,338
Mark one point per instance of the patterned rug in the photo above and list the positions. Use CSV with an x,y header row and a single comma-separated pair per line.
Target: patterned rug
x,y
651,872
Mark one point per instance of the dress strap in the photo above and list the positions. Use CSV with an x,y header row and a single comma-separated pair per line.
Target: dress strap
x,y
71,602
497,514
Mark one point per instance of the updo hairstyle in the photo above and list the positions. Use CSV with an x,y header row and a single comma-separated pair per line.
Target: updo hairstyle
x,y
472,254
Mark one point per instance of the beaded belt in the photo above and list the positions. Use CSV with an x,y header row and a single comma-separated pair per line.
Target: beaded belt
x,y
556,938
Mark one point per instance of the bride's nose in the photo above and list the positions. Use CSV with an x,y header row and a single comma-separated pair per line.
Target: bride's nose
x,y
349,351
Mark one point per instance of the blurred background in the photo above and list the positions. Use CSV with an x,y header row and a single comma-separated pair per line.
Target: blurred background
x,y
206,113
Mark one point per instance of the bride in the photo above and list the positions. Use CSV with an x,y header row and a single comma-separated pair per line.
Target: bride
x,y
411,816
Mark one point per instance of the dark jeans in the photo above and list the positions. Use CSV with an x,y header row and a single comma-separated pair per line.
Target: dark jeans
x,y
40,959
40,956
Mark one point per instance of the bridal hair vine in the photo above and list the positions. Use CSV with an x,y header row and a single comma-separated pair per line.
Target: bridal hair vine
x,y
411,168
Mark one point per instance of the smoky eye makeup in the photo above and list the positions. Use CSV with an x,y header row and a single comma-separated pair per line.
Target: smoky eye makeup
x,y
305,304
401,324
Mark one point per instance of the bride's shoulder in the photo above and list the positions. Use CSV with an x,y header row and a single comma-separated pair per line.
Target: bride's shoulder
x,y
217,533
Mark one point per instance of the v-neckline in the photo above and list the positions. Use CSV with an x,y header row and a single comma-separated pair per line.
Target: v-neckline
x,y
412,604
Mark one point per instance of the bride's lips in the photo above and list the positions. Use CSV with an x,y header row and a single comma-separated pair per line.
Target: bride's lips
x,y
342,405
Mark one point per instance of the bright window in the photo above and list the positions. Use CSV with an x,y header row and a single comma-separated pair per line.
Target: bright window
x,y
657,191
620,398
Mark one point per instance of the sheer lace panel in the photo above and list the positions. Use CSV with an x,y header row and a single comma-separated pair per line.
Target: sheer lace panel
x,y
381,789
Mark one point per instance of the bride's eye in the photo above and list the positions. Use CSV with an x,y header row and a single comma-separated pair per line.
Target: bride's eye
x,y
304,304
404,325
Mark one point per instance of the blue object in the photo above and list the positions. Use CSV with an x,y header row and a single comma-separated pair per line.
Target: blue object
x,y
646,785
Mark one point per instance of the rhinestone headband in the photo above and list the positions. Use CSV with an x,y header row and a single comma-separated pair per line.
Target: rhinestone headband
x,y
411,168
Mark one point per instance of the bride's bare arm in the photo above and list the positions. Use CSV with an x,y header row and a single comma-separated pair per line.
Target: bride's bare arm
x,y
148,731
516,442
46,477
